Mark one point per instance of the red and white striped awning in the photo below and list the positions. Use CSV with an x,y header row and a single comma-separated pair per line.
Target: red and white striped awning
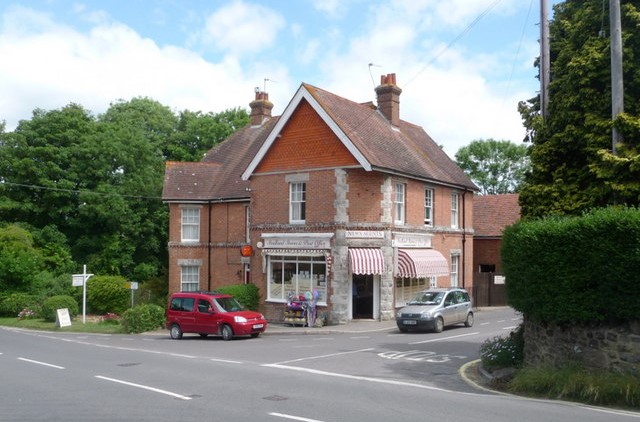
x,y
421,263
366,261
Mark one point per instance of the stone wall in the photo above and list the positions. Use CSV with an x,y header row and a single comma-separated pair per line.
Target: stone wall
x,y
597,346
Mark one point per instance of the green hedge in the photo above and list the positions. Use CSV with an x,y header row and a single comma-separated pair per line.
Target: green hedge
x,y
247,294
52,304
107,294
141,318
575,269
12,304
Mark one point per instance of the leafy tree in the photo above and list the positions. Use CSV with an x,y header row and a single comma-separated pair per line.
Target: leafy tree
x,y
495,166
572,165
20,261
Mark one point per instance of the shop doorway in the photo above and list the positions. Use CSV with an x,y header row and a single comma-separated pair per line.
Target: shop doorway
x,y
363,296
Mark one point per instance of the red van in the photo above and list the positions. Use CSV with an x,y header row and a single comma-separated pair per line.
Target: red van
x,y
214,313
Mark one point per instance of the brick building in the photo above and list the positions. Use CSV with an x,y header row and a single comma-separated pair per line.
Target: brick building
x,y
337,197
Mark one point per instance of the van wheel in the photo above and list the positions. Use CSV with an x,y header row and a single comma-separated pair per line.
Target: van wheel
x,y
469,321
227,332
175,331
203,335
438,325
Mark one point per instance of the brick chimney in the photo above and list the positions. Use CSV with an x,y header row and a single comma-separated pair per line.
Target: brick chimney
x,y
260,108
388,95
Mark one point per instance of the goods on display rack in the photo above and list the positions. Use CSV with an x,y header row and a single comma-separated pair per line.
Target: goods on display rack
x,y
301,309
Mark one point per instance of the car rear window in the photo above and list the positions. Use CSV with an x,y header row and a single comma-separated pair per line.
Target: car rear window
x,y
182,304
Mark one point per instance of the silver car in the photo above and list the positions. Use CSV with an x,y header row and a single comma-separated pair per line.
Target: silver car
x,y
434,309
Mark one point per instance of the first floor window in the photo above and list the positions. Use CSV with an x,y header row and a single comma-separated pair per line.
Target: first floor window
x,y
428,207
296,275
189,278
455,260
399,202
297,201
454,210
408,288
190,224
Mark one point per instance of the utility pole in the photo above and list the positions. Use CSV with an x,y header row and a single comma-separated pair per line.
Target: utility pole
x,y
617,87
545,63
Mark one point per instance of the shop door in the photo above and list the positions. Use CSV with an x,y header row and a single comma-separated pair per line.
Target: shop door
x,y
362,300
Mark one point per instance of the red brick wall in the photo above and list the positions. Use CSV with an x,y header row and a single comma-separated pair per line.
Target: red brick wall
x,y
364,196
487,251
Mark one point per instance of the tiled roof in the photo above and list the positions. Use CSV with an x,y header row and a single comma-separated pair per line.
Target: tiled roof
x,y
407,150
492,213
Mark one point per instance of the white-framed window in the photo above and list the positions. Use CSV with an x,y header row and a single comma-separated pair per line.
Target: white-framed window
x,y
189,278
428,207
247,224
408,288
399,203
190,230
297,202
455,270
455,206
295,276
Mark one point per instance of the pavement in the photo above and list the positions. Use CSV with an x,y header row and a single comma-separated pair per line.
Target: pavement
x,y
354,326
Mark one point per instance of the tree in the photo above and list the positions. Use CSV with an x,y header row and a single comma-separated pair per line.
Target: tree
x,y
573,168
495,166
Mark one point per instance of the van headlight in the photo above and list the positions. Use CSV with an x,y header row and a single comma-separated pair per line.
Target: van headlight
x,y
239,319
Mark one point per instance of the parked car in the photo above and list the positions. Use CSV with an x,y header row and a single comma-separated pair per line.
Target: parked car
x,y
434,309
214,313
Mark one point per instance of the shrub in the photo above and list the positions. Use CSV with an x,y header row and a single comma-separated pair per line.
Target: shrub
x,y
247,294
575,269
141,318
14,303
503,352
52,304
107,294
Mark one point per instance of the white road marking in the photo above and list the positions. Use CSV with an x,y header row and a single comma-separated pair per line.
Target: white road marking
x,y
510,328
321,356
485,323
359,337
144,387
294,418
41,363
444,338
225,361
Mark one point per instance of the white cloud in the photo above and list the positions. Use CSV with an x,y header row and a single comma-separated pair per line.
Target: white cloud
x,y
240,28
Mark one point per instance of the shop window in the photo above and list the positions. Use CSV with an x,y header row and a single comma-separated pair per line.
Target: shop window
x,y
295,276
407,288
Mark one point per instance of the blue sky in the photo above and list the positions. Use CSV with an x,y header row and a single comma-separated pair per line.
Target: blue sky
x,y
463,65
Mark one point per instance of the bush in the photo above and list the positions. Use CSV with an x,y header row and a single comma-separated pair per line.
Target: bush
x,y
503,352
141,318
12,304
108,294
247,294
52,304
575,269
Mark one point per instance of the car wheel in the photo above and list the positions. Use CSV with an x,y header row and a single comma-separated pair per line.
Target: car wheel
x,y
227,332
469,321
438,325
203,335
403,330
254,335
175,332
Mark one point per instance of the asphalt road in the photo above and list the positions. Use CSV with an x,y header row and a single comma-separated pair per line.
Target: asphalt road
x,y
378,375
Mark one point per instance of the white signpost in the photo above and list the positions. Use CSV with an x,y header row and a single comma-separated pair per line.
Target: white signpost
x,y
81,280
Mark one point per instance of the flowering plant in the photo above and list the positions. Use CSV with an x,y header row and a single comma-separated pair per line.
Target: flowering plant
x,y
26,313
503,352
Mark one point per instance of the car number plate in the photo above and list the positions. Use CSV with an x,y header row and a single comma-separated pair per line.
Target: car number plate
x,y
256,326
409,322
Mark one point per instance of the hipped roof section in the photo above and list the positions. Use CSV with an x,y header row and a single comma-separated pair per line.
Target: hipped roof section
x,y
406,150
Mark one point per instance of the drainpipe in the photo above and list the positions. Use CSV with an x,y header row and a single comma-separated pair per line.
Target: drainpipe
x,y
464,237
209,248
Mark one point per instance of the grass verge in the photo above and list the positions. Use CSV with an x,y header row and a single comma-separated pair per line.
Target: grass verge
x,y
574,383
94,327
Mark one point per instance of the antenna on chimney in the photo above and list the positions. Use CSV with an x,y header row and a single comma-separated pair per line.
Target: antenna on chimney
x,y
370,74
265,83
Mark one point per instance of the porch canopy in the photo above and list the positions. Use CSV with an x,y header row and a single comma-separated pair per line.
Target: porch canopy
x,y
366,261
421,263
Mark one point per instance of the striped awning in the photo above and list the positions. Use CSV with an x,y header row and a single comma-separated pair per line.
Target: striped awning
x,y
420,263
366,261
